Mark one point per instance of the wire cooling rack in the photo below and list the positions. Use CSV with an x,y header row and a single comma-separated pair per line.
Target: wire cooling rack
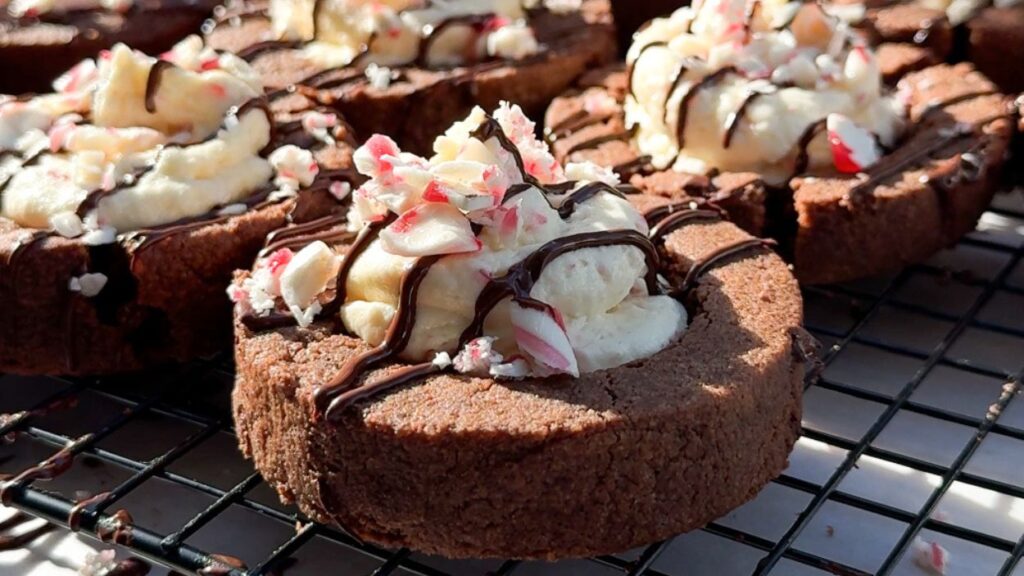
x,y
914,434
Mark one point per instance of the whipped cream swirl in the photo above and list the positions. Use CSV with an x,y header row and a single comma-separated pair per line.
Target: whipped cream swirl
x,y
428,33
489,258
128,142
766,86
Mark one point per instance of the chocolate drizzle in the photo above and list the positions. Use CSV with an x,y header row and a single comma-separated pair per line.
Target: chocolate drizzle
x,y
732,123
674,220
705,264
154,81
684,104
803,156
597,141
474,21
332,398
631,67
325,229
573,123
329,398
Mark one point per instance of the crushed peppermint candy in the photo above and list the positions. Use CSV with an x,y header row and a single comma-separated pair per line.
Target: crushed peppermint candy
x,y
854,149
88,285
930,556
319,125
67,224
295,166
340,189
380,77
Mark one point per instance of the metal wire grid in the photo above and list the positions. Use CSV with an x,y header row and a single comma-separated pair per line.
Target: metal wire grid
x,y
868,302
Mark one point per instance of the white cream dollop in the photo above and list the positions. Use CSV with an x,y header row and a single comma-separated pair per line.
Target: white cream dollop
x,y
457,207
802,63
457,31
189,153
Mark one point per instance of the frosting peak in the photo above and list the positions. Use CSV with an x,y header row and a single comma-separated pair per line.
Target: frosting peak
x,y
488,257
747,86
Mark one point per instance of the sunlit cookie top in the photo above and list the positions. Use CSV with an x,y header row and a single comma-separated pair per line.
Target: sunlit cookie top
x,y
127,141
765,86
428,33
487,257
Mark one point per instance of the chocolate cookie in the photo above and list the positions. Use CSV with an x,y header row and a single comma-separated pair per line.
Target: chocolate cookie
x,y
36,46
104,300
603,368
833,228
599,464
992,33
385,99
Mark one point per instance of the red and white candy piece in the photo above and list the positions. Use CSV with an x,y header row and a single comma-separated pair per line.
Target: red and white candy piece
x,y
428,230
540,335
373,159
80,77
854,149
930,556
294,166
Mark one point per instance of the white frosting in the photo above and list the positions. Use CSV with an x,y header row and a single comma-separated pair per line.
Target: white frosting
x,y
600,314
809,68
191,155
394,29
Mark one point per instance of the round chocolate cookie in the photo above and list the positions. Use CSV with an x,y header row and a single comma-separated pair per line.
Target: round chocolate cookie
x,y
919,198
36,47
76,303
477,467
569,44
556,367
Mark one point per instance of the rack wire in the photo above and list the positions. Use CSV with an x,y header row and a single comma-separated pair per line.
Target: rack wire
x,y
966,308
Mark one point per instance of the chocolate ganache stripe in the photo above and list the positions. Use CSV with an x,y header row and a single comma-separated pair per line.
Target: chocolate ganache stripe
x,y
705,264
366,237
732,122
491,128
251,53
684,104
92,199
518,282
631,68
397,338
154,81
673,221
916,156
597,141
677,81
574,123
333,398
803,157
584,193
30,161
475,21
934,107
301,235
